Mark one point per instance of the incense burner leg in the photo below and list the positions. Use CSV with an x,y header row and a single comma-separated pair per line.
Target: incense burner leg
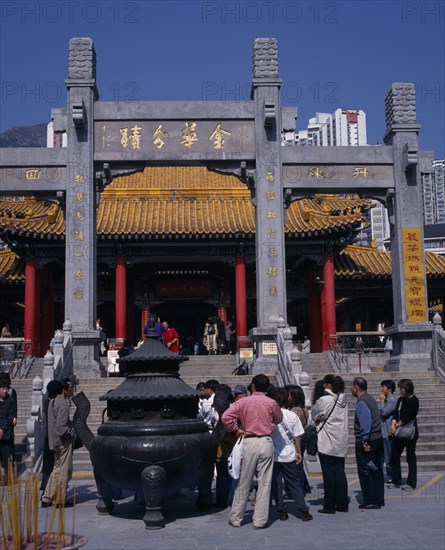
x,y
153,482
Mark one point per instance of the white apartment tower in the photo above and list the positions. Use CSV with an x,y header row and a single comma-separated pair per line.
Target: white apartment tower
x,y
433,194
343,127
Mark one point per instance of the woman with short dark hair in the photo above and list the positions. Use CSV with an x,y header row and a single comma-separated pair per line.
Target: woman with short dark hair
x,y
330,414
406,411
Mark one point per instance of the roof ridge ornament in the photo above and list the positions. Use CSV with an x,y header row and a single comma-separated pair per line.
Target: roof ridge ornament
x,y
265,58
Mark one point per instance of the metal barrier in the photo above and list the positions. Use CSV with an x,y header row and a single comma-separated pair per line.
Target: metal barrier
x,y
344,345
14,358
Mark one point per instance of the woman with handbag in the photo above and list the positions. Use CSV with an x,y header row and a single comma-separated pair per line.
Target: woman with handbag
x,y
330,412
404,434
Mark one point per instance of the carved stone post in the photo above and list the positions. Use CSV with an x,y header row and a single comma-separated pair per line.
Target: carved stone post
x,y
80,216
411,332
269,212
34,425
48,369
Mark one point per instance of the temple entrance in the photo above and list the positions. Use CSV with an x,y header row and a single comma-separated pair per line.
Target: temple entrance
x,y
188,317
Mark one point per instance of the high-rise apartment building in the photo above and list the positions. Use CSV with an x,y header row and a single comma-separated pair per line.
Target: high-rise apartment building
x,y
433,191
343,127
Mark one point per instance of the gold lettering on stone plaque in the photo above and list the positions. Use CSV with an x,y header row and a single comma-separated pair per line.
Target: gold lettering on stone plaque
x,y
360,171
78,294
218,136
33,174
315,172
159,134
189,136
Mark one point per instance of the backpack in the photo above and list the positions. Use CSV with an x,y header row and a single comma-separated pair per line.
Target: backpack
x,y
211,329
241,370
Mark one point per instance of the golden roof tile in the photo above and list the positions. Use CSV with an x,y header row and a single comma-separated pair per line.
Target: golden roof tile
x,y
182,200
359,262
12,268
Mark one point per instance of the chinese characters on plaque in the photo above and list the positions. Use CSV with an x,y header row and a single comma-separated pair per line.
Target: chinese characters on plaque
x,y
78,234
271,214
326,172
414,274
171,135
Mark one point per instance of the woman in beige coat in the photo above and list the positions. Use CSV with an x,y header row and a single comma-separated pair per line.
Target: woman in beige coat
x,y
330,414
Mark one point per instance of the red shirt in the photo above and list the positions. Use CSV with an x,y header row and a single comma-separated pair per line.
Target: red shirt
x,y
169,335
257,414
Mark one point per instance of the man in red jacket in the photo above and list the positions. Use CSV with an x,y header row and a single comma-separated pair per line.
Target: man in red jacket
x,y
171,338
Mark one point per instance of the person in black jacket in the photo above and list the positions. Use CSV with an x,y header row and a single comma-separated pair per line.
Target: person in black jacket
x,y
8,412
406,411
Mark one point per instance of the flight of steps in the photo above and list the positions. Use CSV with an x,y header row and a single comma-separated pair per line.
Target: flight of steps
x,y
430,390
315,364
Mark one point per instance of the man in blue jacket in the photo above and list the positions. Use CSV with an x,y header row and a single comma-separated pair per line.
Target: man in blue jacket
x,y
368,446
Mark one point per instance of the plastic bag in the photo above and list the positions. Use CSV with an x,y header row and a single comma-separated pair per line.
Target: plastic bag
x,y
235,459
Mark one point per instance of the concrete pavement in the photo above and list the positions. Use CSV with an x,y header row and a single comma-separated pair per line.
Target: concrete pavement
x,y
409,521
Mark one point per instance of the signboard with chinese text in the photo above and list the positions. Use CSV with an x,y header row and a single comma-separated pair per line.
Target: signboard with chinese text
x,y
414,274
163,138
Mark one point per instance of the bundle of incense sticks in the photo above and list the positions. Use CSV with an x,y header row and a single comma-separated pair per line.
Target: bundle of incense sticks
x,y
19,507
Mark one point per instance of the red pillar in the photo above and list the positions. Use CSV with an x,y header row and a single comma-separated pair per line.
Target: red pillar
x,y
121,297
329,291
314,307
38,318
30,305
241,296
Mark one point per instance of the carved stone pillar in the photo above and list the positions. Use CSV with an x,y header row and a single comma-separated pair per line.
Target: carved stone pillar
x,y
411,332
80,215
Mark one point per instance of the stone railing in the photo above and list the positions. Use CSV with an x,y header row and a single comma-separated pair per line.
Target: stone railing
x,y
289,360
438,347
57,367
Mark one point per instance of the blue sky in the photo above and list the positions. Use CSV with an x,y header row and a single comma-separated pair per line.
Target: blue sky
x,y
331,54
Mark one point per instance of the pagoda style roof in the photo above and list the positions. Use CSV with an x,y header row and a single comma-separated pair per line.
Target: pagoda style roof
x,y
177,201
359,262
12,267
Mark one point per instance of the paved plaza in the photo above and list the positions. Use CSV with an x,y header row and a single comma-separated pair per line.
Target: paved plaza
x,y
408,521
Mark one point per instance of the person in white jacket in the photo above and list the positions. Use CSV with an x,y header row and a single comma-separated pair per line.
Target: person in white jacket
x,y
330,414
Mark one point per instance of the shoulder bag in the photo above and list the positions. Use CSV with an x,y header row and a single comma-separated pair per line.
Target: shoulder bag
x,y
406,431
310,436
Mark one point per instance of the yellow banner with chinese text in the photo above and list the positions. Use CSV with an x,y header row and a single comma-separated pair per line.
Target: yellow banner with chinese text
x,y
414,275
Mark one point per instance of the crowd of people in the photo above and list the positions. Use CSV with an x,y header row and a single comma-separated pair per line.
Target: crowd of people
x,y
272,421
